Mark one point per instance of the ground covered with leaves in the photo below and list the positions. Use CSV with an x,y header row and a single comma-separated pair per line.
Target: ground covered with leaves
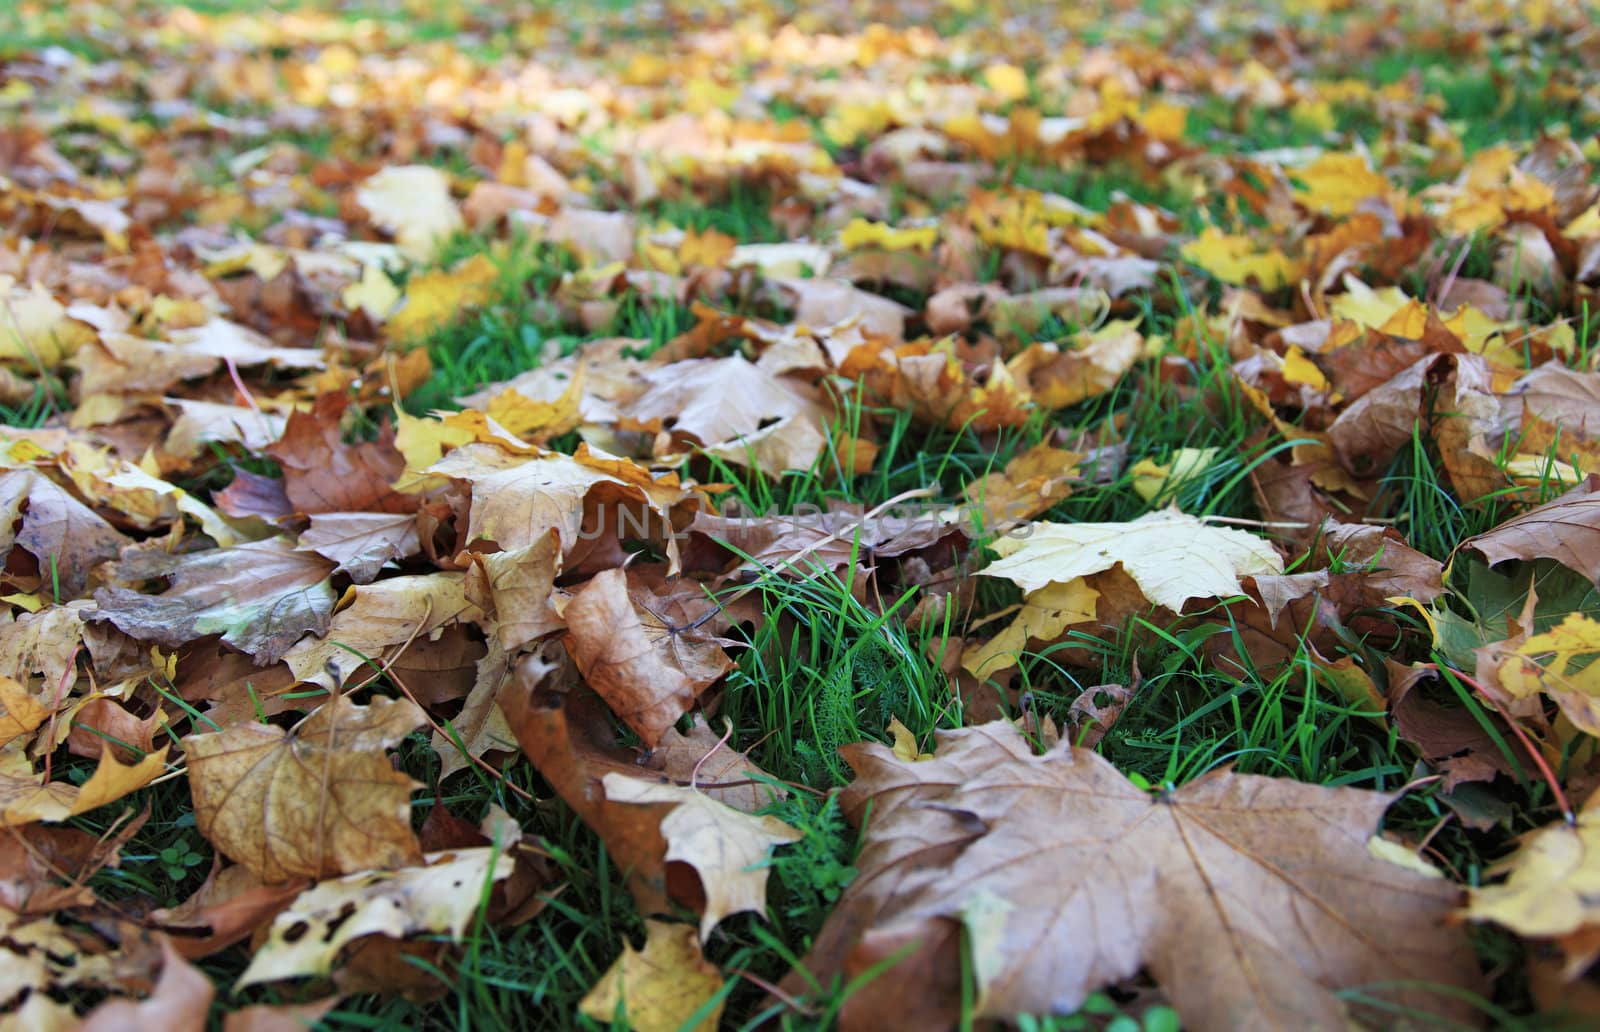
x,y
871,515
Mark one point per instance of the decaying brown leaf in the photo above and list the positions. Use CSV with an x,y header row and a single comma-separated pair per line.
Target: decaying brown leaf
x,y
319,800
439,893
726,847
1068,877
648,667
260,596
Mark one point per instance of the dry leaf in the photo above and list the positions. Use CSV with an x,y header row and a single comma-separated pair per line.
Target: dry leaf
x,y
64,536
1172,557
260,596
1249,899
321,799
1553,883
659,988
180,1001
727,848
439,894
648,667
413,203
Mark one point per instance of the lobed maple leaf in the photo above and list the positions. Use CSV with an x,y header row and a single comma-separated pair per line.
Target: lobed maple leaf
x,y
1252,901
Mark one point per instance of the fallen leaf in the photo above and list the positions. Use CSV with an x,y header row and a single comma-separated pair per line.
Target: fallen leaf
x,y
230,905
377,620
260,596
1030,483
659,988
1567,530
727,848
413,203
568,739
361,542
180,1001
285,1017
439,894
1550,889
714,767
323,474
1172,557
65,537
435,299
1045,612
319,800
647,666
1560,664
26,797
1250,900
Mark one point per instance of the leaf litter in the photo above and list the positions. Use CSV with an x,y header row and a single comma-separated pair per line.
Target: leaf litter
x,y
483,397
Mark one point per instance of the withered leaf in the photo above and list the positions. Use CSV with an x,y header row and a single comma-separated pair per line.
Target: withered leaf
x,y
658,988
440,895
361,542
648,668
1566,530
1173,557
319,800
726,847
260,596
67,538
179,1003
377,619
568,739
321,473
1250,900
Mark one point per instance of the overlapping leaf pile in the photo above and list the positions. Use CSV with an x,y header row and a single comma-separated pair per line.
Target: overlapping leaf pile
x,y
232,246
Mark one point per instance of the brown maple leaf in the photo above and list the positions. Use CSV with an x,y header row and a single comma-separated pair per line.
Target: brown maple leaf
x,y
1566,530
321,473
319,800
261,596
1250,900
65,537
647,661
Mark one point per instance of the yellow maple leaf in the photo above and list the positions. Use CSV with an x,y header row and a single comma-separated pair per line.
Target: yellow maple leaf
x,y
1554,884
1007,80
434,299
661,987
1151,480
865,233
1045,613
905,743
1298,369
1560,664
1238,260
1335,184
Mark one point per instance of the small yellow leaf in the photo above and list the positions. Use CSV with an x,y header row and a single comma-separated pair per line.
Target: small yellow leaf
x,y
20,712
374,293
1151,481
436,299
863,233
1298,369
1560,663
1335,184
1238,260
905,743
1554,883
1007,80
659,988
1045,613
1394,853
